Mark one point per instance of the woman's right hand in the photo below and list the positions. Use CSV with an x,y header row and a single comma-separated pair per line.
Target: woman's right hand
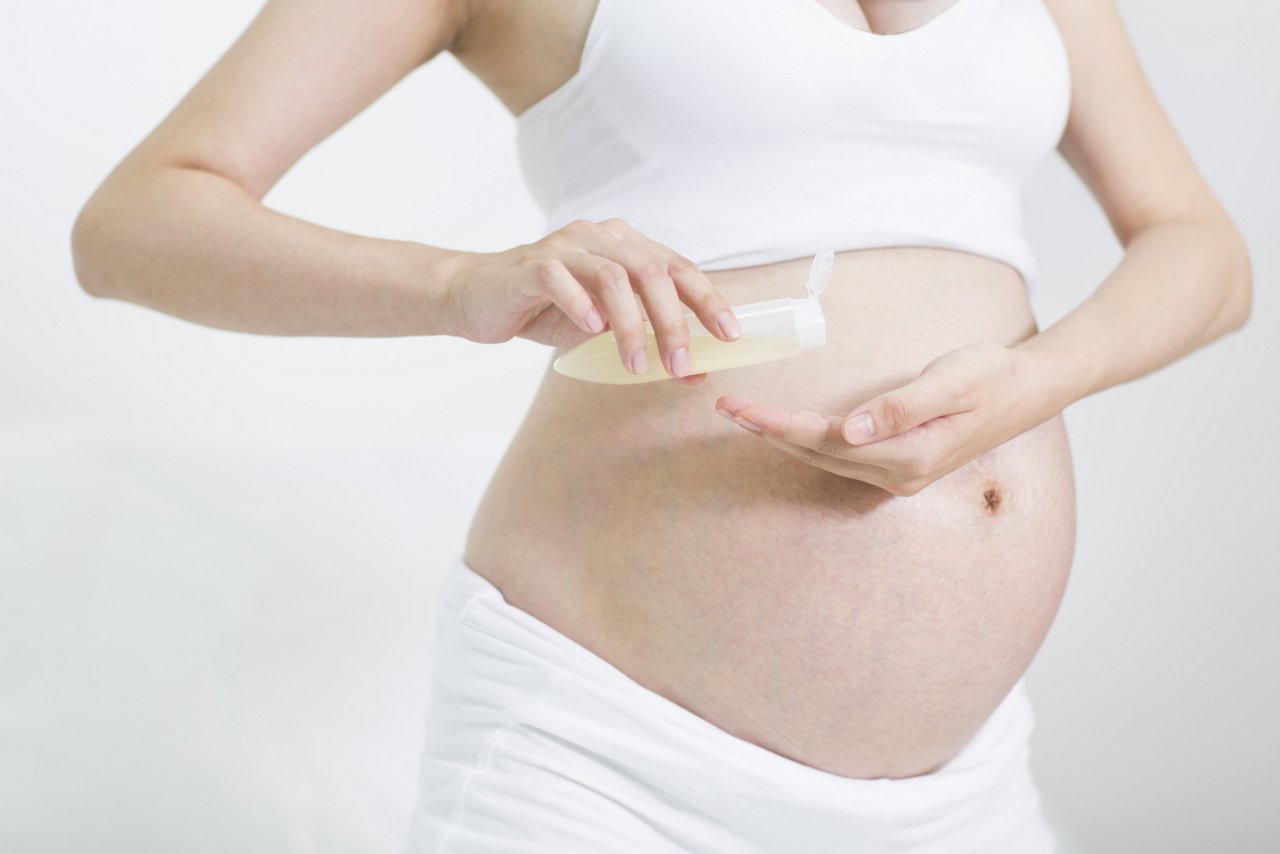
x,y
582,279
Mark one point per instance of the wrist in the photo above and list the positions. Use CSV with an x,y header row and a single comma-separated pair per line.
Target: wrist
x,y
1050,376
434,274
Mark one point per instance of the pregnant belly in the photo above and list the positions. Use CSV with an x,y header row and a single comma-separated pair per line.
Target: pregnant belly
x,y
862,633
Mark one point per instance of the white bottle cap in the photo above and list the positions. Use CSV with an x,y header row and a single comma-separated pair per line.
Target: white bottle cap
x,y
811,323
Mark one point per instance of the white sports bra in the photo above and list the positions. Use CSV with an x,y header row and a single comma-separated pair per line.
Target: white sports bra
x,y
743,132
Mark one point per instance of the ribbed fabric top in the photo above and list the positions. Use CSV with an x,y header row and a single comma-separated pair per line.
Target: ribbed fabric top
x,y
743,132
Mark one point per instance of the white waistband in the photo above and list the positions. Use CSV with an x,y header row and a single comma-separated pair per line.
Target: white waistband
x,y
999,748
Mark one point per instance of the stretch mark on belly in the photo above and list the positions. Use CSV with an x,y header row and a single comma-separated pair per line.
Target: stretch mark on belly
x,y
992,497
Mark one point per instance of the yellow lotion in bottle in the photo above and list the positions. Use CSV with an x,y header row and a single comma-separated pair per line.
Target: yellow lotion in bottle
x,y
771,330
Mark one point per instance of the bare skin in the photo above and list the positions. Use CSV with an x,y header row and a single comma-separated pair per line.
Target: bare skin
x,y
858,603
818,616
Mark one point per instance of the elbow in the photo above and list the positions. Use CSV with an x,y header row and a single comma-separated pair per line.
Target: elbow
x,y
87,248
1239,304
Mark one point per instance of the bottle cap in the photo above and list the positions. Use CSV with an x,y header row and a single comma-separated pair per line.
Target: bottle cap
x,y
811,323
811,326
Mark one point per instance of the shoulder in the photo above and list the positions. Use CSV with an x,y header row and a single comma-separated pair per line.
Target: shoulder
x,y
1089,28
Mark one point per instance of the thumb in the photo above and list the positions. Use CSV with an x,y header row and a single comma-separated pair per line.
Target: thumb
x,y
897,411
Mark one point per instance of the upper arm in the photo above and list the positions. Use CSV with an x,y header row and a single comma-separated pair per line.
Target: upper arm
x,y
1118,138
299,71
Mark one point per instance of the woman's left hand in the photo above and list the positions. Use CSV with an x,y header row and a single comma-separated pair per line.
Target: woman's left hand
x,y
962,404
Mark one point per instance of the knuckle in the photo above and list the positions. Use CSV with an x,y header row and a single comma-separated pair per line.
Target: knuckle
x,y
792,426
897,411
650,270
824,444
706,300
572,234
546,271
547,247
631,340
674,330
681,265
916,466
810,456
613,277
615,227
556,241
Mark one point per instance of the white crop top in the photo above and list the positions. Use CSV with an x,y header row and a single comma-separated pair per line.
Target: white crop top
x,y
743,132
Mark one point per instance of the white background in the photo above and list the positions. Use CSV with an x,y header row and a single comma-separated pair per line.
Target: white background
x,y
219,551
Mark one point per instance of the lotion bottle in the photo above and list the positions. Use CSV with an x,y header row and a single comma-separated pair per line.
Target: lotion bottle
x,y
771,330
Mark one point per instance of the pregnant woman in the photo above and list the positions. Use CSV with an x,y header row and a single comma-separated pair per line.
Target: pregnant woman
x,y
803,628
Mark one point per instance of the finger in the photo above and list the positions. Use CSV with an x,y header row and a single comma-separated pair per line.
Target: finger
x,y
568,295
910,452
661,302
811,430
899,480
691,379
844,468
916,452
895,412
709,305
670,328
610,284
697,291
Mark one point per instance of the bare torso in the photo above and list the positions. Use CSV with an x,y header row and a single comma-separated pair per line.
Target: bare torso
x,y
859,632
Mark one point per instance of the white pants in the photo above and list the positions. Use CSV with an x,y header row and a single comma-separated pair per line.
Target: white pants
x,y
536,744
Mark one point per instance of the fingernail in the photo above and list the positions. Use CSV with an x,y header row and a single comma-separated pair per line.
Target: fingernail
x,y
593,320
726,413
860,428
680,362
639,362
729,324
755,428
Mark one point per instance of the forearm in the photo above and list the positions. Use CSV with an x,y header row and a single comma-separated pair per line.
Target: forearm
x,y
1178,287
196,245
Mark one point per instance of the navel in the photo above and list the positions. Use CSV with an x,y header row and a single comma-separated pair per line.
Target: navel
x,y
992,499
